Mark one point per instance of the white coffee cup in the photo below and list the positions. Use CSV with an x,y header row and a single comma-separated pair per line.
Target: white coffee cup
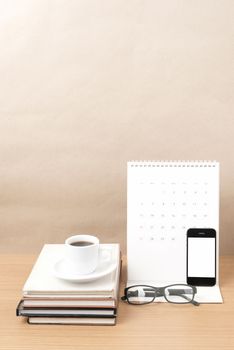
x,y
82,251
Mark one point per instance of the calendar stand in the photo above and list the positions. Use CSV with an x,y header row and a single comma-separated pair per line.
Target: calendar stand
x,y
165,199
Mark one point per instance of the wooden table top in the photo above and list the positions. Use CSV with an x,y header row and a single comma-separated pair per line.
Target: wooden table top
x,y
155,326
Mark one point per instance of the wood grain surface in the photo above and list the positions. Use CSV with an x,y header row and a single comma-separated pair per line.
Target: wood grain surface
x,y
155,326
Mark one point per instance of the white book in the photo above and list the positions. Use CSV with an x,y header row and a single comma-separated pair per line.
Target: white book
x,y
42,283
73,320
94,302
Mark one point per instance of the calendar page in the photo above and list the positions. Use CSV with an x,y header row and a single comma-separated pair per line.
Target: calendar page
x,y
165,199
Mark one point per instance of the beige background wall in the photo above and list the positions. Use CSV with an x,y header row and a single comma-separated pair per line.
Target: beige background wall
x,y
87,85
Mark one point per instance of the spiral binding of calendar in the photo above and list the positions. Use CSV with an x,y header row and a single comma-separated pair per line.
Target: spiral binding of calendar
x,y
174,163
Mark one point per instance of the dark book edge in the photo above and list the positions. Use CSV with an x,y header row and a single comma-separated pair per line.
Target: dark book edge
x,y
67,315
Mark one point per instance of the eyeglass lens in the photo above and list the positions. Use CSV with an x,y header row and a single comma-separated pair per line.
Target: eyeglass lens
x,y
179,294
140,295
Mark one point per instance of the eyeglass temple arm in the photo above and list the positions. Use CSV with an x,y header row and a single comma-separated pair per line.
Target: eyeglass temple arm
x,y
194,302
159,292
148,293
174,291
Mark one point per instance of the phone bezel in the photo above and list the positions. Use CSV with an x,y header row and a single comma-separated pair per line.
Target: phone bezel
x,y
200,232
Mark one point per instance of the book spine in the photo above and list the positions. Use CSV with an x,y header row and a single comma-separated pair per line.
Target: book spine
x,y
71,306
18,308
33,313
101,322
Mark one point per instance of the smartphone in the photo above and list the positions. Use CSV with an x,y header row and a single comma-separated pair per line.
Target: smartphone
x,y
201,257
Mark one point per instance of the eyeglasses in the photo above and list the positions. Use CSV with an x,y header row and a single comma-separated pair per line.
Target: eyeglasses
x,y
175,293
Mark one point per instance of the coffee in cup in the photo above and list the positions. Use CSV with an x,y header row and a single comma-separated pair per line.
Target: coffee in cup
x,y
81,243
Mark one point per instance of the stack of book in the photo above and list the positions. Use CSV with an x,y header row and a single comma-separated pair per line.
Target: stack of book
x,y
51,299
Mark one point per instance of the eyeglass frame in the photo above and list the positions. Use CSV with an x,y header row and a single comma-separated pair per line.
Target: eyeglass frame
x,y
160,292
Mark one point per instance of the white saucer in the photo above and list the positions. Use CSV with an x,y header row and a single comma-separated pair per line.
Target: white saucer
x,y
63,270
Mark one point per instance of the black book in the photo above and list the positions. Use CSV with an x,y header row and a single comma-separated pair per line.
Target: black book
x,y
64,311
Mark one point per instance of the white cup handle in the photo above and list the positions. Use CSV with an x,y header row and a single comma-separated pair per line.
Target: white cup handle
x,y
105,255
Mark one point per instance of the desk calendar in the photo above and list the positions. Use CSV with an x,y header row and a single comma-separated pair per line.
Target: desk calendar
x,y
165,199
